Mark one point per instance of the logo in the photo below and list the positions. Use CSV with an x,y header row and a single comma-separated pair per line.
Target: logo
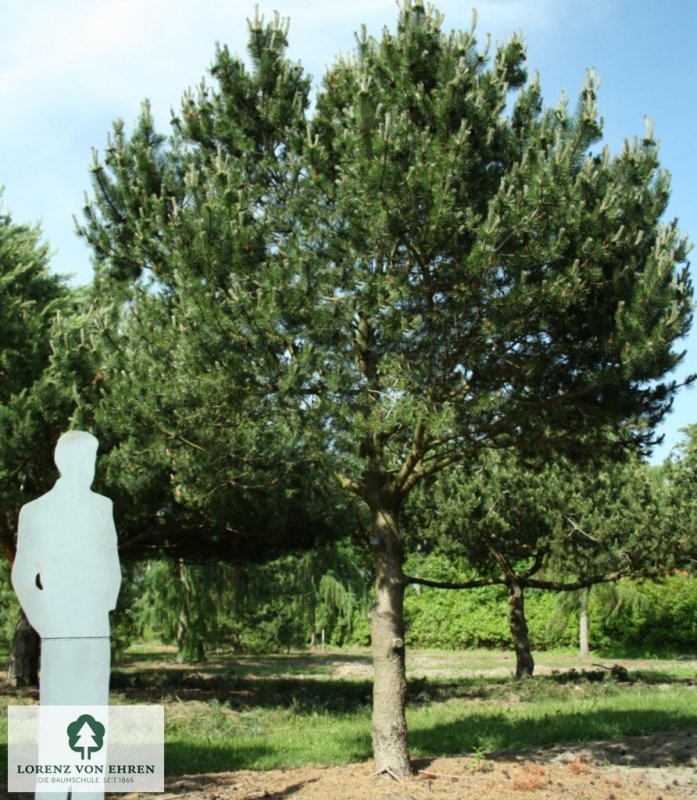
x,y
85,736
82,749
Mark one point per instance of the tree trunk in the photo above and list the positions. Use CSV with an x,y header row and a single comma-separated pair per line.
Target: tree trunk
x,y
24,657
390,745
583,646
525,663
189,641
313,623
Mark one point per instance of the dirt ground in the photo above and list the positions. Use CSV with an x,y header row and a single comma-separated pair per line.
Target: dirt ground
x,y
653,767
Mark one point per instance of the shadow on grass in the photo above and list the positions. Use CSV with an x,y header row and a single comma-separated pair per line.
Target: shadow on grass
x,y
657,676
619,653
125,660
261,665
302,696
195,758
335,696
501,732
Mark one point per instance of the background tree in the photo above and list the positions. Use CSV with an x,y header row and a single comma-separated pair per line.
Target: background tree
x,y
179,602
30,297
249,607
610,599
419,276
36,401
555,526
680,475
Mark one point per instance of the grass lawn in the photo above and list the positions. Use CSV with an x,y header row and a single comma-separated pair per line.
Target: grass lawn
x,y
282,711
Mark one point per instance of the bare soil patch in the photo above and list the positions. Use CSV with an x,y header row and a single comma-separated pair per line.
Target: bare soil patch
x,y
652,767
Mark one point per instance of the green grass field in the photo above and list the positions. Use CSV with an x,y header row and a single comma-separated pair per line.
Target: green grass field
x,y
283,711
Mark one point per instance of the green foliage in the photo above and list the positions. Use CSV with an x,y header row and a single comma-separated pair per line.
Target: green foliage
x,y
36,400
472,618
9,607
177,602
421,275
680,473
125,627
198,319
642,618
250,608
485,280
457,621
546,525
29,299
666,622
283,603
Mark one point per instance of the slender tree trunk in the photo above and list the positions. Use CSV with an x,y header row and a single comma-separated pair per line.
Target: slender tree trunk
x,y
313,624
525,663
189,642
390,745
583,646
24,657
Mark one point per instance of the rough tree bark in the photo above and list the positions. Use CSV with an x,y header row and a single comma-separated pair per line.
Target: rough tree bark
x,y
390,746
24,657
525,664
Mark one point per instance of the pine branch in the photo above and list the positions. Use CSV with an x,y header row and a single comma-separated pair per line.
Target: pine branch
x,y
413,459
561,586
351,485
473,584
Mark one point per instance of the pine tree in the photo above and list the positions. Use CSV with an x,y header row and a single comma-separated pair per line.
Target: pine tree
x,y
36,401
554,526
410,275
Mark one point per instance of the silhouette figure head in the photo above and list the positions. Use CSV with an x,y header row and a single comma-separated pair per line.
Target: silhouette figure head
x,y
75,456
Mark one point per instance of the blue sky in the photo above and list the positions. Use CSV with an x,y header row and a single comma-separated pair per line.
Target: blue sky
x,y
69,68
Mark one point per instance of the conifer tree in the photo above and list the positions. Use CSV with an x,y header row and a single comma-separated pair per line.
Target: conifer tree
x,y
35,403
554,526
409,275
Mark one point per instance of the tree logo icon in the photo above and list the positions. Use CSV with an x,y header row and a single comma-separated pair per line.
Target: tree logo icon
x,y
86,736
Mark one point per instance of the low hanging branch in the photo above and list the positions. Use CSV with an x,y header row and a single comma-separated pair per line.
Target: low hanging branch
x,y
583,583
475,584
528,583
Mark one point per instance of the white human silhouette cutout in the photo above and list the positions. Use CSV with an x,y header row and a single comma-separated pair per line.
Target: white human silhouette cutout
x,y
67,577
